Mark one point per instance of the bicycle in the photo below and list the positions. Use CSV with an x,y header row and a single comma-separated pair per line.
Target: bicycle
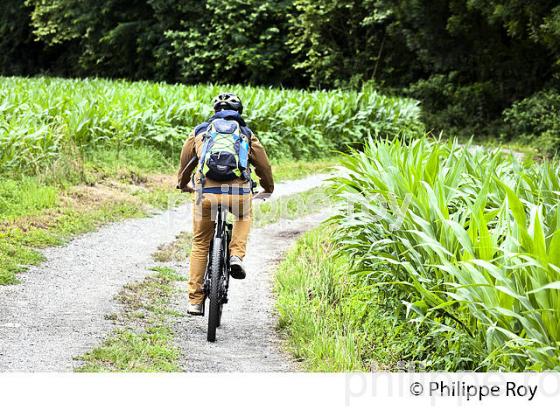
x,y
216,278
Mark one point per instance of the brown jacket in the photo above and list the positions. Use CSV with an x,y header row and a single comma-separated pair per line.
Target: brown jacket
x,y
193,149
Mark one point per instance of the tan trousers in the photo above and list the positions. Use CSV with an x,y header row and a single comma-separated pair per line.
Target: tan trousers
x,y
203,231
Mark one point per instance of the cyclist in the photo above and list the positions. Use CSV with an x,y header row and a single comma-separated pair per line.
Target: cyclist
x,y
234,193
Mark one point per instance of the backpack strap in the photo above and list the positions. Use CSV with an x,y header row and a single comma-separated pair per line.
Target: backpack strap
x,y
200,128
246,131
206,141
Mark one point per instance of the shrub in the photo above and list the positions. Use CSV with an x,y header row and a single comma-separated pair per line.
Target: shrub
x,y
536,120
457,109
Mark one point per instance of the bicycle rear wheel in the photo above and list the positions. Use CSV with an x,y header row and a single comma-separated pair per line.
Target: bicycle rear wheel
x,y
214,310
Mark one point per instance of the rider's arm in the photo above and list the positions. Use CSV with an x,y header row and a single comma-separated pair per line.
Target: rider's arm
x,y
189,160
259,159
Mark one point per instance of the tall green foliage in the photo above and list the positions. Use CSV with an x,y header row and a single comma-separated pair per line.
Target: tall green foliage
x,y
19,53
466,60
468,239
42,117
336,41
238,40
113,38
535,120
476,57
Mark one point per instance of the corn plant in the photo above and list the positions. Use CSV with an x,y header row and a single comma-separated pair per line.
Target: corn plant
x,y
38,116
468,239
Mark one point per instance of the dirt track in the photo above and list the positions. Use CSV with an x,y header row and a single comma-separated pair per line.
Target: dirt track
x,y
247,340
58,311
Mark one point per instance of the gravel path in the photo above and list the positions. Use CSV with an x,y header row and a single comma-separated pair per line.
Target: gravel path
x,y
58,311
247,340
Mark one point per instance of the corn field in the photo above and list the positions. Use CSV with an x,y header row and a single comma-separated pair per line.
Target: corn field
x,y
467,239
41,117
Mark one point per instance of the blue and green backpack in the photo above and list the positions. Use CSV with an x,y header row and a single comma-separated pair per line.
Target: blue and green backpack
x,y
225,152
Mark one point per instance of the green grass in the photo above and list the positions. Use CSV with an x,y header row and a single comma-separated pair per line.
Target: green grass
x,y
130,161
22,195
285,170
25,197
127,351
175,251
291,206
143,341
334,321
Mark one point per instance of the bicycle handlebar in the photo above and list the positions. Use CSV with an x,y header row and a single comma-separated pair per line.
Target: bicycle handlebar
x,y
262,196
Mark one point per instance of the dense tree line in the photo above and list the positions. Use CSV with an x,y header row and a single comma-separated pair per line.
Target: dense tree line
x,y
467,60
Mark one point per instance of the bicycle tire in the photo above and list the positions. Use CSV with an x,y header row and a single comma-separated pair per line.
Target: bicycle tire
x,y
222,278
215,284
220,316
225,268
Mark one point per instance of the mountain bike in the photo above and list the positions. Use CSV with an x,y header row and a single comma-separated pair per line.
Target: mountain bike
x,y
216,280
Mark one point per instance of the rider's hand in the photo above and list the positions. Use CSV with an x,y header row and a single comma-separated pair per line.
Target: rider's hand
x,y
189,188
263,196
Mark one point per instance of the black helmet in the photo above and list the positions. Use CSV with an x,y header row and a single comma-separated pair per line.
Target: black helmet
x,y
227,101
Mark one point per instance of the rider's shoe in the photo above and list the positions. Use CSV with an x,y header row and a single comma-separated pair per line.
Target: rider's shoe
x,y
195,309
236,268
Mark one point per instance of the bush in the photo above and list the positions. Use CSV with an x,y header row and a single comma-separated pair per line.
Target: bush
x,y
457,109
536,120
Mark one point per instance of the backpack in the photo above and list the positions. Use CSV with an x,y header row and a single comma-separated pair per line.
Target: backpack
x,y
225,152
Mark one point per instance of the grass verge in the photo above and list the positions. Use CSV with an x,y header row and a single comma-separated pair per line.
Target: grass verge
x,y
73,211
291,206
175,251
287,170
335,322
143,340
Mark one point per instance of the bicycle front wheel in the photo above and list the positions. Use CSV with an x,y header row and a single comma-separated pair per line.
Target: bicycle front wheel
x,y
215,285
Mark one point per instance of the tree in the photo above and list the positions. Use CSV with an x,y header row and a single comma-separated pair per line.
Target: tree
x,y
19,52
235,41
113,38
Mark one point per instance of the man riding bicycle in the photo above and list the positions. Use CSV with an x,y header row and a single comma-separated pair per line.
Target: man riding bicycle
x,y
215,164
